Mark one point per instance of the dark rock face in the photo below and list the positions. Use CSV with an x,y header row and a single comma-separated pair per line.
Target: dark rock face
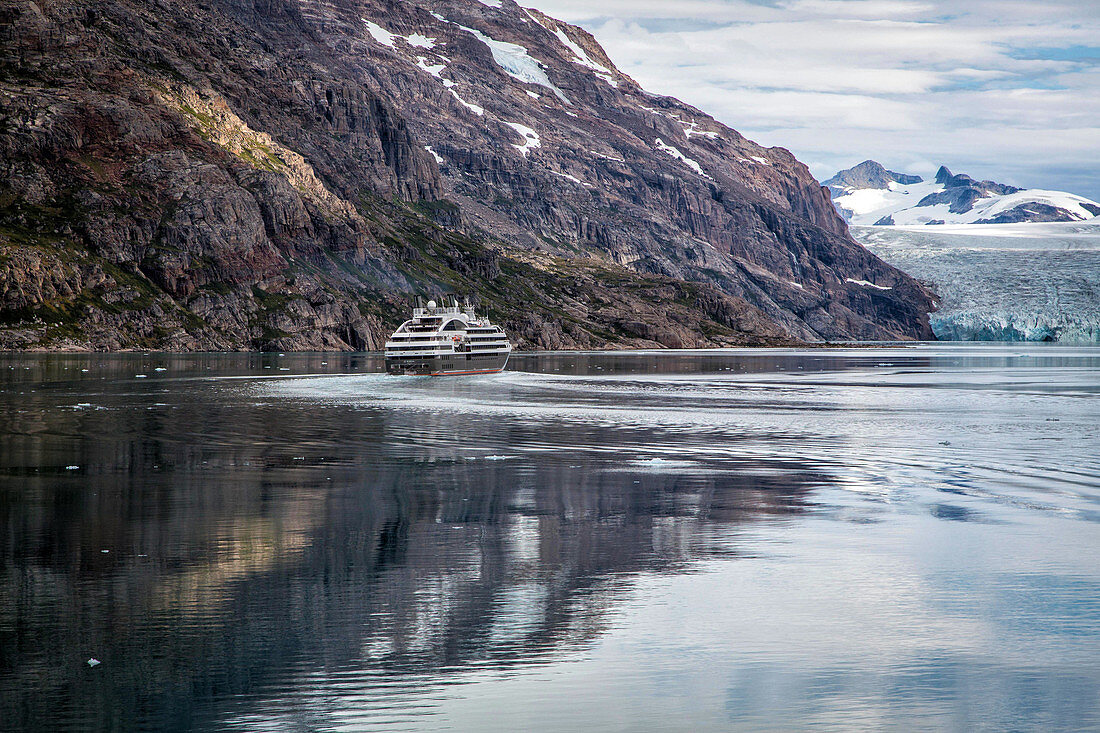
x,y
867,174
278,174
960,198
1031,211
961,191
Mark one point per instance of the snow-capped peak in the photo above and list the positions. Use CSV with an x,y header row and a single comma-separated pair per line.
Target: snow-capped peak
x,y
868,194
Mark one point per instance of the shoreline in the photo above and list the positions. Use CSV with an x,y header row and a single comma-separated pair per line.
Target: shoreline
x,y
649,351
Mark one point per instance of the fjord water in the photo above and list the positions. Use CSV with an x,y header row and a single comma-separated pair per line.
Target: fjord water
x,y
898,538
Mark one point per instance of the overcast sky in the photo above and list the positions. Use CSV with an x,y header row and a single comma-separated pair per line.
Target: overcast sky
x,y
1000,89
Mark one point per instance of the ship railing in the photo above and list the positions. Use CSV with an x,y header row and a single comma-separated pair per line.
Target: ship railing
x,y
442,310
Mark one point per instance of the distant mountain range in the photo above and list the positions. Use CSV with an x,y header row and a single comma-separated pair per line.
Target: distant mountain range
x,y
868,194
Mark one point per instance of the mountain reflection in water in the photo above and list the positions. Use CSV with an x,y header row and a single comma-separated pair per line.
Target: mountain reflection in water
x,y
293,543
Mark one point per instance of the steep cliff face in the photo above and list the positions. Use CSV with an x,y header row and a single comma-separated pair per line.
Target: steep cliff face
x,y
283,174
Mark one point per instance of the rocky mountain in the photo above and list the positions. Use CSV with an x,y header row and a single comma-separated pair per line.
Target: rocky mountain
x,y
869,194
867,174
285,174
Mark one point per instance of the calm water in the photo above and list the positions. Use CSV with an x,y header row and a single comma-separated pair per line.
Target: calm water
x,y
744,540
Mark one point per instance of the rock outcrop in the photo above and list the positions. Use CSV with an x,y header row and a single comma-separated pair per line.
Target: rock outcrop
x,y
868,174
285,174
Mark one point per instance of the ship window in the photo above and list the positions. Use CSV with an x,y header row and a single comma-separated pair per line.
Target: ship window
x,y
453,326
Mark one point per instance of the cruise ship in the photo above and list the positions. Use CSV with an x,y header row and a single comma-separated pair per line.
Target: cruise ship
x,y
447,339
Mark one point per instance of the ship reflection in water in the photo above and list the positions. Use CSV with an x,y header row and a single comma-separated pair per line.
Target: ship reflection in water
x,y
899,538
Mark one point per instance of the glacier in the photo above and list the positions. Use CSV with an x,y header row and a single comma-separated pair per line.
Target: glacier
x,y
1002,282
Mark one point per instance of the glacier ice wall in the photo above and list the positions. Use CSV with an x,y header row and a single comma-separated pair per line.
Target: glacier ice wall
x,y
1027,282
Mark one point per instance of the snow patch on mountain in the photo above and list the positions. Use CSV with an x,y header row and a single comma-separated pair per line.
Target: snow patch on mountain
x,y
479,111
530,137
386,38
691,129
574,179
435,70
582,58
420,41
380,34
514,60
675,153
867,284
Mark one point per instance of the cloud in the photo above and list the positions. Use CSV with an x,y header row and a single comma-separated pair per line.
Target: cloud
x,y
987,85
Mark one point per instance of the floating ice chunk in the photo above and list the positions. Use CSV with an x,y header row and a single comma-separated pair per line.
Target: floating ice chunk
x,y
72,468
479,111
675,153
498,458
380,34
141,376
105,551
438,160
160,369
531,138
866,284
516,63
93,662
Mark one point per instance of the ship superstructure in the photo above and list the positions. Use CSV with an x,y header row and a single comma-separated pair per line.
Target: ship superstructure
x,y
447,339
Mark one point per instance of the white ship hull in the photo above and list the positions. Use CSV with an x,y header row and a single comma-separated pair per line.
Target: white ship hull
x,y
440,365
446,340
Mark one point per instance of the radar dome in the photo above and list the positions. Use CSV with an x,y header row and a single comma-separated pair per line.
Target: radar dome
x,y
431,304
